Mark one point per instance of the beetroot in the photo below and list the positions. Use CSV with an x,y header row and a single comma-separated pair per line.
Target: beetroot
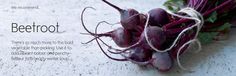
x,y
130,19
120,36
139,54
162,61
160,37
156,36
158,17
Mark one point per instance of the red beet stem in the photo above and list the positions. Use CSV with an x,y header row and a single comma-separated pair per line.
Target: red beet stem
x,y
172,24
176,31
102,48
218,7
114,6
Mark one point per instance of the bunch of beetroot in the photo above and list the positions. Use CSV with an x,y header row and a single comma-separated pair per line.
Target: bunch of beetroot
x,y
163,30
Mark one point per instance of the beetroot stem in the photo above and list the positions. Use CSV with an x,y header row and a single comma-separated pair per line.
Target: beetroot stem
x,y
172,24
114,6
82,19
102,48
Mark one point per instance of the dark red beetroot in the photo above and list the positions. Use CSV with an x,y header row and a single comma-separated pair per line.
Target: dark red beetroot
x,y
130,18
139,54
162,61
120,36
156,37
158,17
